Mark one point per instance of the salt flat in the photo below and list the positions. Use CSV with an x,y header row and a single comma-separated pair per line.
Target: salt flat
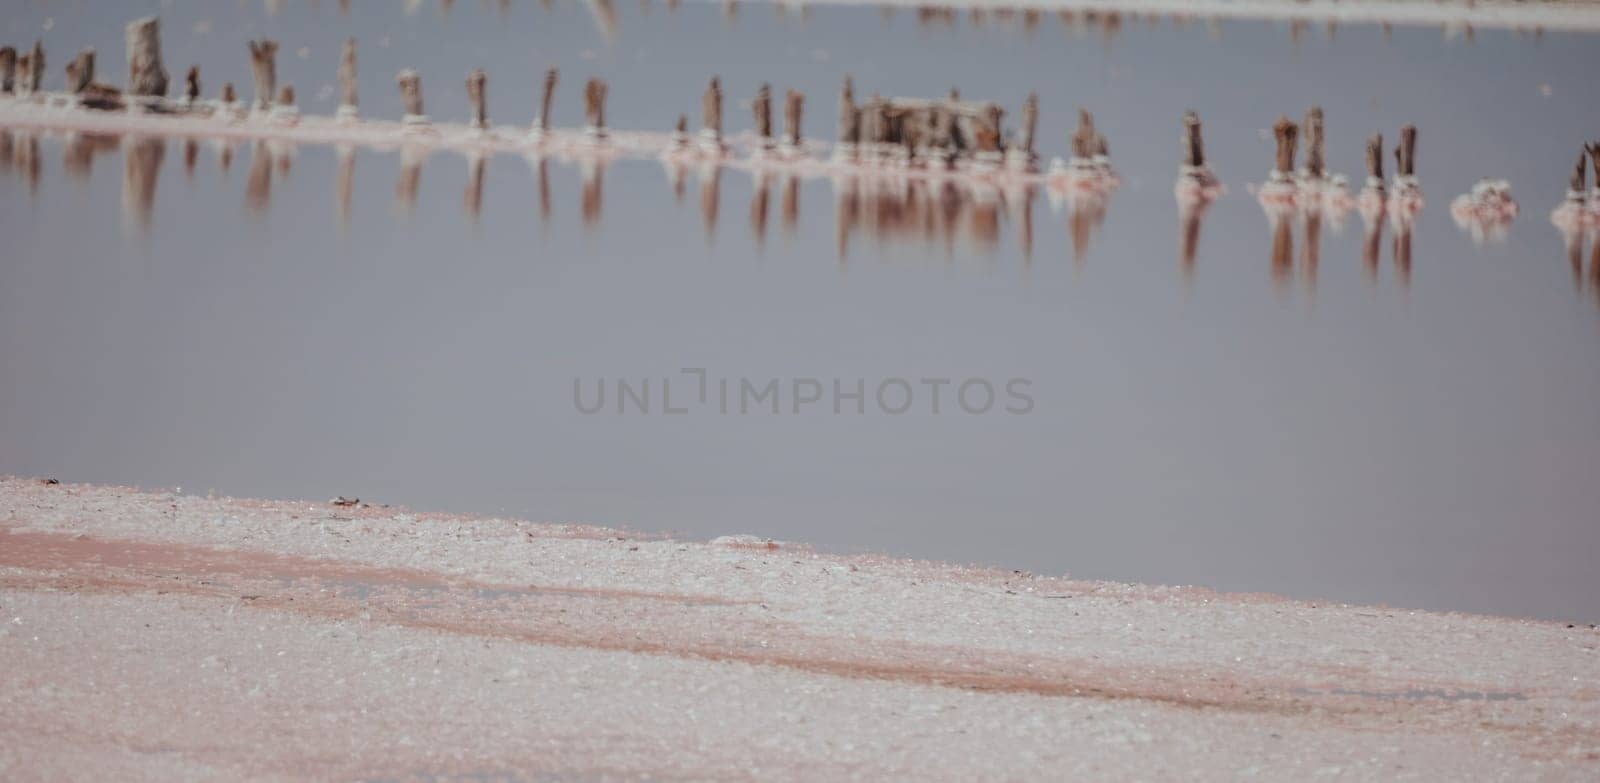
x,y
163,636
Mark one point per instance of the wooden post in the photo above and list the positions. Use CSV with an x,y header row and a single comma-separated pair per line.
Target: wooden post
x,y
477,81
1406,153
264,70
594,108
1284,133
24,75
849,119
229,96
1594,158
36,76
285,111
1194,155
348,99
542,125
1030,121
410,83
146,74
680,132
711,109
1575,186
191,85
793,104
711,117
1375,164
762,109
8,69
1312,130
80,72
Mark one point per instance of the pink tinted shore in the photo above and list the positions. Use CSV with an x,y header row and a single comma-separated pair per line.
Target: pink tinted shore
x,y
161,636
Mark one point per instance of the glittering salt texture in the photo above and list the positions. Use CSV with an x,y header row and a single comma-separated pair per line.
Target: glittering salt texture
x,y
160,636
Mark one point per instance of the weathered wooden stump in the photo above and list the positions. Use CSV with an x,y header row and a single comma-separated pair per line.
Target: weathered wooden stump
x,y
477,84
410,83
191,85
264,71
1312,130
761,108
146,74
1284,134
541,125
8,69
793,105
594,109
711,117
80,72
348,99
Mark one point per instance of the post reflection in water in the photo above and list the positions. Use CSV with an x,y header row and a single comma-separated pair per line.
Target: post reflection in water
x,y
21,152
1191,212
1282,256
258,181
344,182
472,197
405,190
77,157
710,176
1371,238
886,207
191,156
789,207
1402,248
593,176
141,167
1310,248
758,207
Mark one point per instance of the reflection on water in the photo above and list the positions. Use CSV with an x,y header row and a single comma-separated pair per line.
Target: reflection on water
x,y
879,205
1274,411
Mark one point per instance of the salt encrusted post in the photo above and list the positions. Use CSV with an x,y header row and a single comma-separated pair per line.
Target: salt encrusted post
x,y
541,125
711,117
1284,133
80,72
24,75
347,81
680,132
36,76
264,71
1030,121
762,109
8,69
410,83
477,81
1406,154
1083,138
594,109
1375,163
146,75
1312,130
1194,156
849,122
1594,158
794,103
1022,158
191,85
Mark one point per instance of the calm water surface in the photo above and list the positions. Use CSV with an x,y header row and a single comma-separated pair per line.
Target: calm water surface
x,y
1311,421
